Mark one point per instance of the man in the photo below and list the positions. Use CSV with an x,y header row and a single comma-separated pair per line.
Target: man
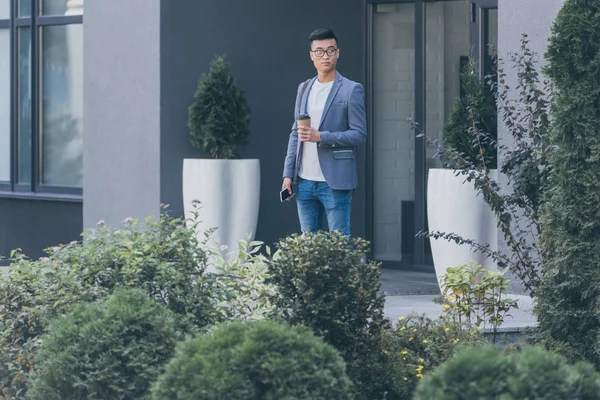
x,y
320,166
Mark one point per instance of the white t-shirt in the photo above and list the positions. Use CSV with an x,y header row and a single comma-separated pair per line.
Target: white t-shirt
x,y
310,169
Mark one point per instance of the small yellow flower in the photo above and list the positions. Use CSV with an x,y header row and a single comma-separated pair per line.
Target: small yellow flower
x,y
400,318
411,339
419,375
425,341
415,329
384,351
403,328
449,297
404,352
404,358
419,368
446,329
421,361
456,340
446,307
405,378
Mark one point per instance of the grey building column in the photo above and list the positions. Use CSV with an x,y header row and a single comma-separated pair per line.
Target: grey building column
x,y
515,18
121,162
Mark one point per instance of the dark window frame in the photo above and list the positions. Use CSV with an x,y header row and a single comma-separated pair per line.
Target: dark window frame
x,y
34,189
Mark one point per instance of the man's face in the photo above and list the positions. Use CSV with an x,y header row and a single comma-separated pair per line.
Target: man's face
x,y
328,62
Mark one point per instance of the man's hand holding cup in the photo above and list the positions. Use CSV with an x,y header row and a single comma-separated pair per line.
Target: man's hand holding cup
x,y
305,132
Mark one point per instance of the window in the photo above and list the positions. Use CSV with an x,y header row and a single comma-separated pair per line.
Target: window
x,y
4,91
41,96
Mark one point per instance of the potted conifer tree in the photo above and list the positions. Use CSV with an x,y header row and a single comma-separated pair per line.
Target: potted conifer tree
x,y
228,189
453,203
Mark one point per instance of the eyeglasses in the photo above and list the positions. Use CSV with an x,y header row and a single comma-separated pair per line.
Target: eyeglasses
x,y
320,52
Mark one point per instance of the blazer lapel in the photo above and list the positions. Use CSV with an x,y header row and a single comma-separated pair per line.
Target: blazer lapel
x,y
332,93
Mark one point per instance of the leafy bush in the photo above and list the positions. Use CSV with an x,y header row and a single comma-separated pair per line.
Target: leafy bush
x,y
525,165
323,282
472,128
160,256
472,297
241,289
486,373
219,117
415,347
114,349
265,360
568,300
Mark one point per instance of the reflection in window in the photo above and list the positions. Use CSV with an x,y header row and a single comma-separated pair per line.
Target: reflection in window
x,y
4,9
24,8
4,104
62,7
62,105
24,104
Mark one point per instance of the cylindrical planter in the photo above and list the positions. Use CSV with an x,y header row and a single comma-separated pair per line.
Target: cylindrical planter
x,y
229,195
454,206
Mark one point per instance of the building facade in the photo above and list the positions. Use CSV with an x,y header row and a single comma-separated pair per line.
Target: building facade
x,y
94,99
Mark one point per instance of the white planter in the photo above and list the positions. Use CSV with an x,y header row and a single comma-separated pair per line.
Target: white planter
x,y
229,193
454,206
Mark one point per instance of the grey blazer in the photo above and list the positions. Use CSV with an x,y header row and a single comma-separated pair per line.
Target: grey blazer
x,y
343,127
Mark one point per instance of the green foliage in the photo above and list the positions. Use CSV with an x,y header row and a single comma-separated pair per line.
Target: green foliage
x,y
414,348
473,297
219,117
525,164
323,282
264,360
486,373
241,289
472,128
114,349
160,256
568,300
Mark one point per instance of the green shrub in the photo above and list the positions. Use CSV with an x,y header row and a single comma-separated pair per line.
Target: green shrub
x,y
323,283
160,256
486,373
219,117
241,289
475,297
472,128
568,301
415,347
114,349
265,360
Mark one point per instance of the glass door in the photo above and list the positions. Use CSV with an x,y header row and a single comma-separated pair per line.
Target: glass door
x,y
416,50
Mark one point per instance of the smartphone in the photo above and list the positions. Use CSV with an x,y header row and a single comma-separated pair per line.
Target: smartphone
x,y
284,195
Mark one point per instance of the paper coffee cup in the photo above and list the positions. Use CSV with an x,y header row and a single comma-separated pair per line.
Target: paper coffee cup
x,y
304,120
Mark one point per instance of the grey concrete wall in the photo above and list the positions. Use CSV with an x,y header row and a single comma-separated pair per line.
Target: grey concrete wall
x,y
121,166
34,225
266,43
515,18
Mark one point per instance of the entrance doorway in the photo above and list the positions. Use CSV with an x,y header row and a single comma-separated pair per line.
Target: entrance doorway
x,y
415,52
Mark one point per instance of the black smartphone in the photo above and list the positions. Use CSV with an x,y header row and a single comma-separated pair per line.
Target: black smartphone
x,y
284,195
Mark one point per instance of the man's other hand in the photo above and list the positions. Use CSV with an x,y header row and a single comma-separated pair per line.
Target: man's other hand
x,y
287,184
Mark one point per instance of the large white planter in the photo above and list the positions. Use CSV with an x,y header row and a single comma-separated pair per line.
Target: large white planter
x,y
229,196
454,206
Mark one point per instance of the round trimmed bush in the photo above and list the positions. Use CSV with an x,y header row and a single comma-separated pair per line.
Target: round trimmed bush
x,y
114,349
264,360
487,373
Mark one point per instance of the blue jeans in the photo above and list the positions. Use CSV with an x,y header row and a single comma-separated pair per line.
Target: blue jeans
x,y
315,199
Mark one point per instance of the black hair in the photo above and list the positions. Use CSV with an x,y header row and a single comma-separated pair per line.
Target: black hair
x,y
323,34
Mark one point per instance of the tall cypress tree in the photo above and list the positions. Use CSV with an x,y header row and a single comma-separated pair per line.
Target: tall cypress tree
x,y
568,304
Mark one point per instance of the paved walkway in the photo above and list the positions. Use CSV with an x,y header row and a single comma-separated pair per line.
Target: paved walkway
x,y
413,292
